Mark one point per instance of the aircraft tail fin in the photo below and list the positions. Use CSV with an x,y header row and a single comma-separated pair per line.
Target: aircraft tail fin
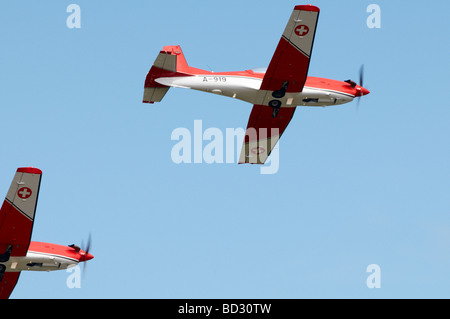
x,y
169,62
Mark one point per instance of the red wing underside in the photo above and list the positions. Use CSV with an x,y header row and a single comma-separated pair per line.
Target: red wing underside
x,y
290,61
18,209
16,222
287,73
263,133
8,283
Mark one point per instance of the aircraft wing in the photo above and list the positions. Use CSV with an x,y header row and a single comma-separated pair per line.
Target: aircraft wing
x,y
287,73
290,62
16,220
263,132
8,283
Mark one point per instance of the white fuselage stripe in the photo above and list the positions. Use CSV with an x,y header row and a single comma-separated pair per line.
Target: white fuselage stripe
x,y
247,88
44,255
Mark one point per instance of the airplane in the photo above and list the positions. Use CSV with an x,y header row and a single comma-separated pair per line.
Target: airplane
x,y
17,251
275,93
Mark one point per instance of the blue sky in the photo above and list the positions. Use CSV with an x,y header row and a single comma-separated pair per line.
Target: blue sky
x,y
354,187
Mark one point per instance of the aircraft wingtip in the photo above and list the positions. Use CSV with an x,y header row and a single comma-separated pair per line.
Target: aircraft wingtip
x,y
30,170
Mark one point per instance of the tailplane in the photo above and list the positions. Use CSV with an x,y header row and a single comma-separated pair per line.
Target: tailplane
x,y
169,62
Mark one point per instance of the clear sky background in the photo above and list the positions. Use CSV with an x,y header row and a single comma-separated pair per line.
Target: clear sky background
x,y
354,187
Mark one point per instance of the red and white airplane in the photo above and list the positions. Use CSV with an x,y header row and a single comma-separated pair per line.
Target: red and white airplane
x,y
275,93
17,251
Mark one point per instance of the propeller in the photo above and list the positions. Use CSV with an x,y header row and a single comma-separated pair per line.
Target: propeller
x,y
361,82
86,257
361,89
361,75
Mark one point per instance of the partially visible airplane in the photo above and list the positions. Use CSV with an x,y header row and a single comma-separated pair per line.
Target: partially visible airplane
x,y
17,251
275,93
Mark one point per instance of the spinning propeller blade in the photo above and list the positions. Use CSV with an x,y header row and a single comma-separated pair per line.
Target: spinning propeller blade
x,y
361,82
87,256
361,75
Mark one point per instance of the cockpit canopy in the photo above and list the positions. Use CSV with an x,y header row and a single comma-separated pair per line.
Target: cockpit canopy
x,y
260,70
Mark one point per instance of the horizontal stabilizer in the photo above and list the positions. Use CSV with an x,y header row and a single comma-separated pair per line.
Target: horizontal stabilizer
x,y
154,94
169,62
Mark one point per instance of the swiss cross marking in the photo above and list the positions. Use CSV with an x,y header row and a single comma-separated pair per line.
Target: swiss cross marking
x,y
301,30
258,150
24,192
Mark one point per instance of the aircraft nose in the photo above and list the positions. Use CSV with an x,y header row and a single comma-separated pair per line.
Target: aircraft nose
x,y
360,91
86,256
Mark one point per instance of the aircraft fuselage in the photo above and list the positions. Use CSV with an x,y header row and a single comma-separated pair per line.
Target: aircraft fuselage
x,y
246,85
46,257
